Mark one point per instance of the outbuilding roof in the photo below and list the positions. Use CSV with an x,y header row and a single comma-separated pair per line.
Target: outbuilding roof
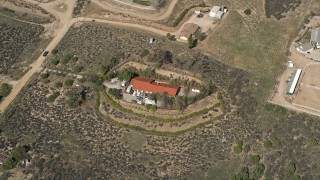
x,y
315,35
189,29
149,85
215,9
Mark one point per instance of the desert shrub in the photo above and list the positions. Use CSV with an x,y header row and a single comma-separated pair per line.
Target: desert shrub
x,y
237,149
144,52
73,99
69,82
54,51
151,107
239,142
258,170
246,148
44,75
5,89
312,142
66,58
171,37
276,154
254,159
242,175
55,62
115,93
247,11
9,163
290,169
58,84
77,68
267,144
53,96
17,155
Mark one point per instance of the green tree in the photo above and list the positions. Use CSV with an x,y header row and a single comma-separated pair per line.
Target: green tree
x,y
115,92
259,170
267,144
69,82
237,149
54,51
246,148
144,52
192,42
126,75
290,169
313,142
5,89
58,84
254,159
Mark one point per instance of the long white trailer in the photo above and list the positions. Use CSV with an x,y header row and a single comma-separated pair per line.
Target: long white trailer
x,y
295,81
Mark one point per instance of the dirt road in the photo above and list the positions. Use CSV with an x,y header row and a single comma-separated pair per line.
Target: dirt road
x,y
152,17
66,21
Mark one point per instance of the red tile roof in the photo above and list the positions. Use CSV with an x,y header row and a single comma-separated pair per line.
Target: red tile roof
x,y
149,85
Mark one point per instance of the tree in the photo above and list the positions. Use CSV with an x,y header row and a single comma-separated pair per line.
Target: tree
x,y
58,84
144,52
77,68
267,144
44,75
290,170
54,51
192,42
126,75
5,89
171,37
69,82
162,57
246,148
237,149
259,170
115,92
254,159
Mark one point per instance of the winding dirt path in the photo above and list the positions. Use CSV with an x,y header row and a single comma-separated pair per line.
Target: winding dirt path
x,y
152,17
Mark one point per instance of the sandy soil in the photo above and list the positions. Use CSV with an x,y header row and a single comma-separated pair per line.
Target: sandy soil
x,y
308,97
311,75
154,16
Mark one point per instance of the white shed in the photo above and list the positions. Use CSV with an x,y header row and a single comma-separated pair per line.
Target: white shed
x,y
213,12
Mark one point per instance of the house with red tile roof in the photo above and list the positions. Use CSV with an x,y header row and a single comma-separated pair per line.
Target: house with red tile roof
x,y
151,86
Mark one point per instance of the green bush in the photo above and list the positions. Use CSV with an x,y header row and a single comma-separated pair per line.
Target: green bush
x,y
259,170
115,92
151,107
58,84
237,149
69,82
312,142
44,75
290,170
267,144
144,52
192,42
9,163
276,154
246,148
17,155
54,51
5,89
254,159
55,62
239,142
53,96
77,68
171,37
